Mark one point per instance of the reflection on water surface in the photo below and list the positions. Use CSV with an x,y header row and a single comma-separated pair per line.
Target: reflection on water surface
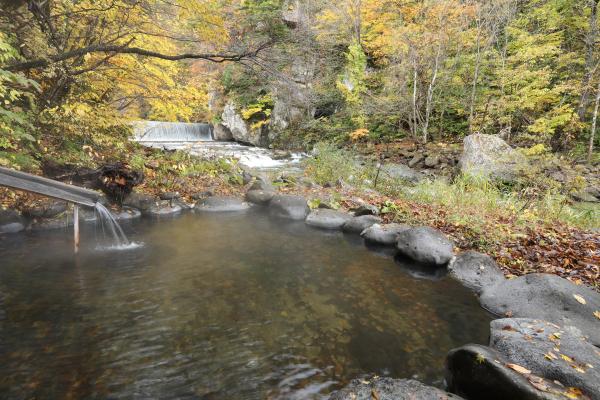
x,y
228,306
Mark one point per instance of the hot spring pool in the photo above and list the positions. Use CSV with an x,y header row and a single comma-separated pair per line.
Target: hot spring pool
x,y
219,306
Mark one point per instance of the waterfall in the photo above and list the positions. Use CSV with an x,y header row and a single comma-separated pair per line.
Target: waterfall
x,y
156,131
114,229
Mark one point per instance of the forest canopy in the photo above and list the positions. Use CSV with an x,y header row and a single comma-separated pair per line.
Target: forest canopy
x,y
75,73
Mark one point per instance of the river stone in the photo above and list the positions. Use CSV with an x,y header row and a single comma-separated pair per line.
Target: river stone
x,y
490,156
222,133
11,221
385,235
140,201
61,221
202,195
390,389
162,209
290,207
360,223
222,204
262,197
432,161
366,209
547,297
327,219
126,213
475,270
425,245
169,196
260,184
540,346
479,372
401,171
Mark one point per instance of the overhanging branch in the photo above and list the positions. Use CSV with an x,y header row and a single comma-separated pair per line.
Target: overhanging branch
x,y
116,49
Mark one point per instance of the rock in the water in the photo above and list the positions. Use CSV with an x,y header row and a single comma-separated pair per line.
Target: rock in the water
x,y
426,246
139,200
385,235
552,352
360,223
475,270
479,372
327,219
401,171
490,156
547,297
126,213
240,130
162,209
222,204
246,177
390,389
11,221
222,133
290,207
262,197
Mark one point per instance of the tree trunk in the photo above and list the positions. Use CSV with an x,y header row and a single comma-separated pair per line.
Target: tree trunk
x,y
590,45
594,121
429,101
475,78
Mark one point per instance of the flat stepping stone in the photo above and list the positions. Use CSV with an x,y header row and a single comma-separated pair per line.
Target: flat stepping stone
x,y
383,234
547,297
425,245
288,207
555,353
126,214
222,204
327,219
476,271
360,223
390,389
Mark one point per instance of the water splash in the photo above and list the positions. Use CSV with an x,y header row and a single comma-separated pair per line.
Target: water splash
x,y
114,230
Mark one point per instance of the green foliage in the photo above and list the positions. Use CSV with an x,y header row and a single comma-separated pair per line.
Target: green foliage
x,y
330,164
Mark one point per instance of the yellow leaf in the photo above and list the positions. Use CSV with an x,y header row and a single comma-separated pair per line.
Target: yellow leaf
x,y
597,314
579,298
518,368
566,358
573,393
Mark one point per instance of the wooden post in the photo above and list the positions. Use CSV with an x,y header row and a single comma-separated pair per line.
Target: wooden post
x,y
76,228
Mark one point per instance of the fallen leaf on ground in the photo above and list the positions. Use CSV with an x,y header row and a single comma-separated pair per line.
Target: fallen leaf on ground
x,y
579,298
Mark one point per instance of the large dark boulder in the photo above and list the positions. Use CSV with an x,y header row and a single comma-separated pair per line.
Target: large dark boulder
x,y
360,223
290,207
390,389
222,204
11,221
479,372
425,245
383,234
475,270
556,353
547,297
262,197
327,219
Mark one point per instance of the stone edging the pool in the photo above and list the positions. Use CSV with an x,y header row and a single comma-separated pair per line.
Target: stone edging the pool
x,y
548,331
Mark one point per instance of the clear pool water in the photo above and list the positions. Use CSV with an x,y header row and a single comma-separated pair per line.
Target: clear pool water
x,y
219,306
